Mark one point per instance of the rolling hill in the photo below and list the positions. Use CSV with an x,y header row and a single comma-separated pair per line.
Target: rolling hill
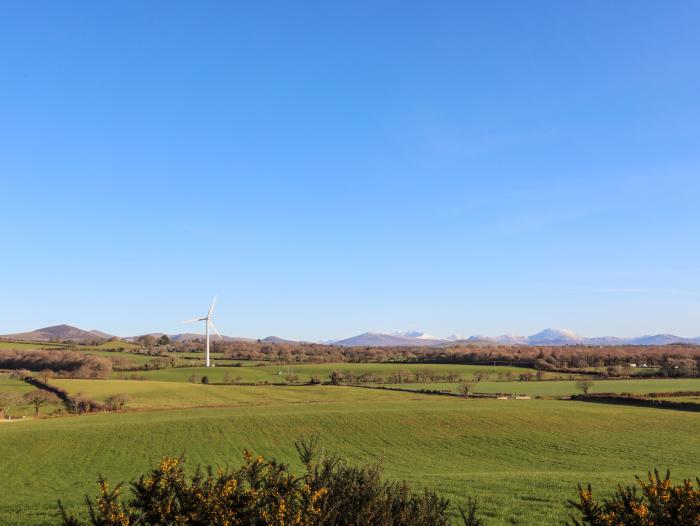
x,y
58,333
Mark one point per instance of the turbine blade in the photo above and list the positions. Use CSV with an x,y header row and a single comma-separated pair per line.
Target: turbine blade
x,y
191,321
215,330
211,309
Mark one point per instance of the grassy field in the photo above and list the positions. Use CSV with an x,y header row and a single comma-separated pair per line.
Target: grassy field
x,y
132,357
521,459
113,344
277,373
30,345
176,395
19,387
557,388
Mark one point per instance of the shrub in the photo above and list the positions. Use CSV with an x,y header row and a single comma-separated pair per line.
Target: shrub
x,y
336,377
265,492
659,504
38,398
465,388
8,400
118,401
230,379
585,385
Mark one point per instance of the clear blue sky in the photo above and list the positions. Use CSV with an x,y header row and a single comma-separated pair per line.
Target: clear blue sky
x,y
334,167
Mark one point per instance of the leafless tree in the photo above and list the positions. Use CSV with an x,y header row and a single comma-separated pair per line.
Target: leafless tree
x,y
40,398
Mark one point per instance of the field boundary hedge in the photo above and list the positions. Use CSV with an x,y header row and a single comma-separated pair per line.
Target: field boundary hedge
x,y
611,398
74,405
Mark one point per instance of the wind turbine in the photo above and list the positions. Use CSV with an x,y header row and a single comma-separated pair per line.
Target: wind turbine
x,y
207,323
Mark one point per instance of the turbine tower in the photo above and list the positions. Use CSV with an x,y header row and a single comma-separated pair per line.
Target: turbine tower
x,y
207,323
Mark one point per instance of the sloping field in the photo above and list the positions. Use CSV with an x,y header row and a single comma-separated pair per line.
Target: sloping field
x,y
521,459
277,373
568,387
4,344
174,395
114,344
20,388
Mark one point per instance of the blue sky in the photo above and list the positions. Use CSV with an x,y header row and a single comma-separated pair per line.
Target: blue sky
x,y
329,168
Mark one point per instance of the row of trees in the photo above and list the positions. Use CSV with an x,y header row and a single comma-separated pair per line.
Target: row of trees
x,y
673,360
39,398
676,360
60,362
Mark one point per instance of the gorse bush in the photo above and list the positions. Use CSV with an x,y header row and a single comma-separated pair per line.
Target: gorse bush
x,y
265,492
658,504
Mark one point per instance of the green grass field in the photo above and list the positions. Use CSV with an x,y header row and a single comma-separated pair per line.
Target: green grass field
x,y
20,388
176,395
30,345
557,388
521,459
113,344
277,373
132,357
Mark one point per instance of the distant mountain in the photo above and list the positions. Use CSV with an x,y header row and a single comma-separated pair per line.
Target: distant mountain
x,y
661,339
59,333
555,337
505,339
276,339
189,337
378,339
547,337
415,334
102,335
411,338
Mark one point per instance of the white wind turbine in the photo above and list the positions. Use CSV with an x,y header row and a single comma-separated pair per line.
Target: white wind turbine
x,y
207,323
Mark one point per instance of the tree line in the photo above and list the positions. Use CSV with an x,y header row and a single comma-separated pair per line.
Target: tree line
x,y
69,364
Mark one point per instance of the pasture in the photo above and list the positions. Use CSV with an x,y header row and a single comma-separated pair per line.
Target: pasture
x,y
250,372
153,395
4,344
20,388
521,459
558,388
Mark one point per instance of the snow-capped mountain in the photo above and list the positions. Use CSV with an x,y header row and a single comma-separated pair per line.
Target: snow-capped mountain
x,y
378,339
545,337
415,334
555,337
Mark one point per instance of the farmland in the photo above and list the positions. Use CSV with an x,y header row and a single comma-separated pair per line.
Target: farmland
x,y
277,373
557,388
4,344
522,459
18,387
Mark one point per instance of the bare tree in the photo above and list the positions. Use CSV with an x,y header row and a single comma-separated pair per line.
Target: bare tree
x,y
45,375
465,388
584,384
40,398
8,400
